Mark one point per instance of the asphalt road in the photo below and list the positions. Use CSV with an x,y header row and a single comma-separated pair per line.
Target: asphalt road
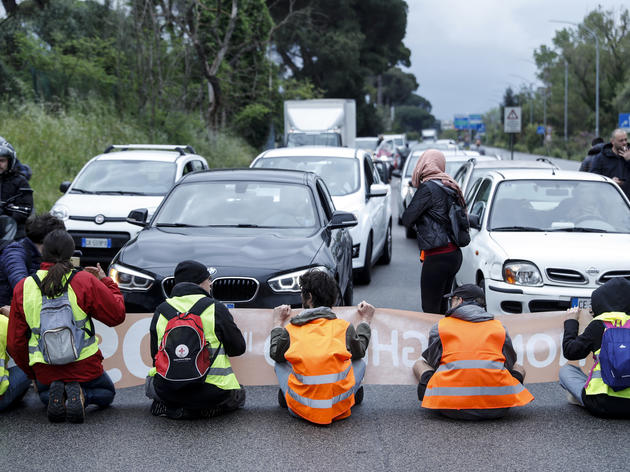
x,y
389,431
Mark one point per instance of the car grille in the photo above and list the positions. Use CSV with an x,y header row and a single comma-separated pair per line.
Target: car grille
x,y
566,276
225,289
613,274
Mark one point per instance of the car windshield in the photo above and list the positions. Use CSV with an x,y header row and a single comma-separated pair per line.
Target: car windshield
x,y
451,166
559,205
341,174
320,139
132,177
238,204
433,145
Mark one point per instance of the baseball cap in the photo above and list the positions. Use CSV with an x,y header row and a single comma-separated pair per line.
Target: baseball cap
x,y
191,271
467,292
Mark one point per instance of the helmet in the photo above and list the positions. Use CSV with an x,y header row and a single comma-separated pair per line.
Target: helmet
x,y
6,150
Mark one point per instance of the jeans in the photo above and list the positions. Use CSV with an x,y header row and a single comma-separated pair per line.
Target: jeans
x,y
18,385
573,380
99,392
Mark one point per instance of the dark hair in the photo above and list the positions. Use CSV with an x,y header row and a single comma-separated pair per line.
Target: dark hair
x,y
597,140
58,249
37,227
321,286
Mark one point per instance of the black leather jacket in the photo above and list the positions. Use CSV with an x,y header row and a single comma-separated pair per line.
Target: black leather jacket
x,y
428,212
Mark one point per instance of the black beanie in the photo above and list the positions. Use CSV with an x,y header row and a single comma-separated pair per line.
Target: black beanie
x,y
614,295
191,271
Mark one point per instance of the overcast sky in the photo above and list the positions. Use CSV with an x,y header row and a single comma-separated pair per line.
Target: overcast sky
x,y
463,52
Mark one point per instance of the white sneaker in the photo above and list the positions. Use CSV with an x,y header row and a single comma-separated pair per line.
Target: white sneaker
x,y
572,400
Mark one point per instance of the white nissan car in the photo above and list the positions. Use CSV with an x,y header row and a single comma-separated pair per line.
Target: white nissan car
x,y
96,203
543,240
356,187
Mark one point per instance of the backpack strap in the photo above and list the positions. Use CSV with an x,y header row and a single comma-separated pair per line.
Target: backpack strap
x,y
169,311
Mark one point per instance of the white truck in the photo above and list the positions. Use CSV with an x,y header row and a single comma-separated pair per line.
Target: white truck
x,y
320,122
429,135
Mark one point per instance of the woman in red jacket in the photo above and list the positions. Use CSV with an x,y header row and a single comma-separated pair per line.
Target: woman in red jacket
x,y
65,388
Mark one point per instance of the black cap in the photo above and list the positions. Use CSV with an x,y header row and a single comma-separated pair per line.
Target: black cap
x,y
597,140
191,271
467,292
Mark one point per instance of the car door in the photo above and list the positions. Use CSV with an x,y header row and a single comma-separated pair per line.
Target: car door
x,y
472,255
376,206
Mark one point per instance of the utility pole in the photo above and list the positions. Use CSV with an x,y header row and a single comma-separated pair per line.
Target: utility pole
x,y
566,97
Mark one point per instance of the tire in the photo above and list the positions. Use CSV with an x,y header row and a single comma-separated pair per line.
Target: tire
x,y
386,255
364,275
348,294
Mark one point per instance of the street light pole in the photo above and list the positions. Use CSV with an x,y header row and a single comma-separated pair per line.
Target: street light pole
x,y
594,35
566,96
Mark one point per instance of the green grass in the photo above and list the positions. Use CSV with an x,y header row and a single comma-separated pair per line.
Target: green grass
x,y
56,144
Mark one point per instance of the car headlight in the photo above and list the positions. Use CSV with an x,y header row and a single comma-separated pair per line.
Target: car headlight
x,y
290,282
129,279
61,212
522,273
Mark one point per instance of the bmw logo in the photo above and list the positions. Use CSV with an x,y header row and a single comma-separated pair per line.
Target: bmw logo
x,y
212,270
99,219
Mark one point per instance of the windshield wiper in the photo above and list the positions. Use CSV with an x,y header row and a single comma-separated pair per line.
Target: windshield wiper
x,y
516,228
118,192
176,225
80,190
579,230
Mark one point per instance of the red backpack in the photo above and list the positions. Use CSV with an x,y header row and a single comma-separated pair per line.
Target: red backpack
x,y
184,353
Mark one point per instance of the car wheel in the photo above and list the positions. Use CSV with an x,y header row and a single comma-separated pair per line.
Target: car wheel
x,y
410,233
364,275
386,256
481,282
347,295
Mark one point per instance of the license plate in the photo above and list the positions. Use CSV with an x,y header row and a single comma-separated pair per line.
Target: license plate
x,y
229,305
580,302
96,242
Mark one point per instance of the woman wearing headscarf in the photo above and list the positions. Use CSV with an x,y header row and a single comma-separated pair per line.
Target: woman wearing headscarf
x,y
428,213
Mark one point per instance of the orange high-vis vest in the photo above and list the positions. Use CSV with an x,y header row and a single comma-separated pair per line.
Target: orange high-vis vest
x,y
472,374
321,384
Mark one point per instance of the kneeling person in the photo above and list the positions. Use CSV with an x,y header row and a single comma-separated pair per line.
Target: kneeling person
x,y
319,356
182,386
467,371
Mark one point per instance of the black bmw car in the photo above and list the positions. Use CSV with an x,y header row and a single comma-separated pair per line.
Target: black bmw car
x,y
257,230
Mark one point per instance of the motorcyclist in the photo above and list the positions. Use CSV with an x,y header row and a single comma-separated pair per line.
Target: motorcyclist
x,y
16,195
20,167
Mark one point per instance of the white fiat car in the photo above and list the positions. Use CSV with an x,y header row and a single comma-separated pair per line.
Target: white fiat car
x,y
356,187
543,240
96,203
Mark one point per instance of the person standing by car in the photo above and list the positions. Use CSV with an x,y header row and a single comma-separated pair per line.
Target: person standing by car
x,y
468,370
319,357
596,147
610,304
16,194
428,211
218,391
65,387
614,160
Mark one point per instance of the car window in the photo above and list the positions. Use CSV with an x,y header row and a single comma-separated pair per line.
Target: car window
x,y
341,174
126,177
471,191
479,203
411,165
319,139
559,205
371,175
239,204
327,203
192,166
452,166
461,174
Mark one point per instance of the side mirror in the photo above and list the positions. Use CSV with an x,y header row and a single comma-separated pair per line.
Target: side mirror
x,y
138,217
378,190
64,186
473,221
342,219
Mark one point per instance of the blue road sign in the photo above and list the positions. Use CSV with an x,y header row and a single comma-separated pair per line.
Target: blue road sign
x,y
481,128
624,120
461,121
540,130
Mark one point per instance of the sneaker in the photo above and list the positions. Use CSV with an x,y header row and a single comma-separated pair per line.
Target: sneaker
x,y
75,403
158,408
56,402
282,401
358,396
572,400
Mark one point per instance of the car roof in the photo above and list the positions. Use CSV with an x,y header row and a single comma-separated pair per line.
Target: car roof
x,y
311,151
144,155
551,173
518,164
252,174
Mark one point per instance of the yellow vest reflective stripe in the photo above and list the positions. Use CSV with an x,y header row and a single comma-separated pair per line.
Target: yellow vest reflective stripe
x,y
32,308
4,357
220,373
595,385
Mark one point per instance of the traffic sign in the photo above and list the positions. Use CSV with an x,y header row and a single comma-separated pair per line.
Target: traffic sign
x,y
481,128
624,120
461,121
540,129
512,119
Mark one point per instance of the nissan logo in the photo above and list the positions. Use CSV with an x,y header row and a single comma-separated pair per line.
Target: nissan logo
x,y
99,219
592,271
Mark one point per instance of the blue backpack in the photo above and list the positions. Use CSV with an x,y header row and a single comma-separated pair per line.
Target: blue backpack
x,y
614,356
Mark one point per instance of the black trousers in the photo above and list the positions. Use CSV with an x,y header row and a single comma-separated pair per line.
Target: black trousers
x,y
436,280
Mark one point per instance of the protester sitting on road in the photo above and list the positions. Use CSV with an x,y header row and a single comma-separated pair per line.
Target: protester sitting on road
x,y
319,356
14,189
596,147
13,381
596,392
181,386
22,258
468,370
60,350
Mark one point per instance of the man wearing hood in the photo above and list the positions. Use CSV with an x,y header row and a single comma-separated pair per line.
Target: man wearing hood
x,y
596,147
319,356
610,304
468,370
614,160
219,391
